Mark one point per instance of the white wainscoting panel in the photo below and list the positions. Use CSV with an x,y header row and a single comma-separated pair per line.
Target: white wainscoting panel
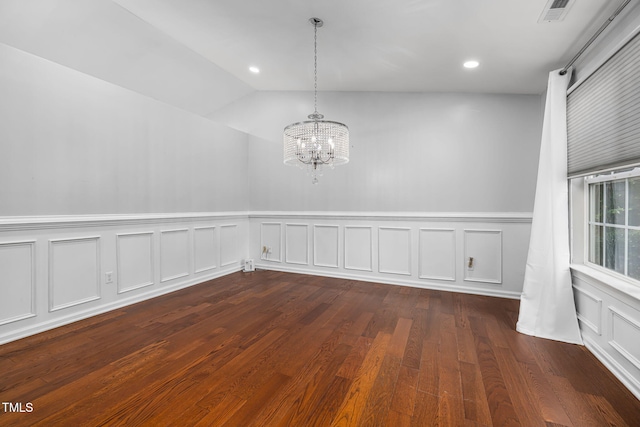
x,y
229,245
325,245
205,249
414,249
358,248
297,244
485,247
174,254
625,335
54,268
612,334
74,271
134,253
17,283
437,254
394,250
589,308
271,238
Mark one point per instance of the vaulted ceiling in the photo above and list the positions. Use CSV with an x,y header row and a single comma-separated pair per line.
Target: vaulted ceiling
x,y
196,54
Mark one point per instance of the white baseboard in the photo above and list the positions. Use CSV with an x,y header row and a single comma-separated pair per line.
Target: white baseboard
x,y
392,281
616,369
124,302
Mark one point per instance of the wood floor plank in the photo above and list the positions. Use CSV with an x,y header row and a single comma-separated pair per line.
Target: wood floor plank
x,y
399,338
525,404
327,407
303,411
299,385
352,407
404,394
376,409
354,360
356,328
450,409
397,419
429,377
476,407
607,410
466,345
425,412
577,405
245,415
413,351
281,349
538,386
220,414
498,398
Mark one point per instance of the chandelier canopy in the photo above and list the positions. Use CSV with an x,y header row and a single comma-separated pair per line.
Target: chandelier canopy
x,y
316,143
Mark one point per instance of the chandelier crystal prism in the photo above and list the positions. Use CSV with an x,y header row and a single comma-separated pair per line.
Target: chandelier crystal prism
x,y
316,143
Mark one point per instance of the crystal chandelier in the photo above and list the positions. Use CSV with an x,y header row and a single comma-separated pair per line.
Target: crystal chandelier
x,y
316,143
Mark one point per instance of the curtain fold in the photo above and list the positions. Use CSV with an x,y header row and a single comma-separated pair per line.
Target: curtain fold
x,y
547,307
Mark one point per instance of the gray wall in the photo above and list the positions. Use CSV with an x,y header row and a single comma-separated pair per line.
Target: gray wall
x,y
74,144
410,152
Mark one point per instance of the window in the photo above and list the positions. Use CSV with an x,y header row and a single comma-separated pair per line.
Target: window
x,y
614,222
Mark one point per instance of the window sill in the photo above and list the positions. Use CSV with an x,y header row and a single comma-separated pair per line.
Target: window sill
x,y
607,280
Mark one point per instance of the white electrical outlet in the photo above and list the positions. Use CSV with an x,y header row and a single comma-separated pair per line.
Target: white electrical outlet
x,y
108,277
248,265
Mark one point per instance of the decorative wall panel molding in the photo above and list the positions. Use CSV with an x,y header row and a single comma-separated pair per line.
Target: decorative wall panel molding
x,y
394,250
174,254
485,247
297,244
271,239
229,245
625,335
134,252
589,308
74,271
358,248
326,241
205,249
437,254
17,286
420,250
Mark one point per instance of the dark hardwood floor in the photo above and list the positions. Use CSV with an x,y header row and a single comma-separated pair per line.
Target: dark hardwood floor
x,y
279,349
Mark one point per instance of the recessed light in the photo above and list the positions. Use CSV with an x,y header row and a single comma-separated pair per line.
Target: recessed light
x,y
254,70
471,64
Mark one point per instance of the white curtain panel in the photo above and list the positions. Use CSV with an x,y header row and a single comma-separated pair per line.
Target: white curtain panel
x,y
547,307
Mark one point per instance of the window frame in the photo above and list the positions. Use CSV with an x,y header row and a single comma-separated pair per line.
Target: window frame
x,y
588,222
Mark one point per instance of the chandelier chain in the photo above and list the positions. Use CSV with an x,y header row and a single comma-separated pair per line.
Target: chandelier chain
x,y
315,68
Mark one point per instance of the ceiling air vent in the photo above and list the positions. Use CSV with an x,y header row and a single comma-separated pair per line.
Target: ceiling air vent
x,y
555,10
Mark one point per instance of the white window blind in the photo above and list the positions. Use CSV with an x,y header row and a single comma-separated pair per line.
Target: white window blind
x,y
603,115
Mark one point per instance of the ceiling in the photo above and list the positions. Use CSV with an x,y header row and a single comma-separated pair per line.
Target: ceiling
x,y
380,45
195,54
